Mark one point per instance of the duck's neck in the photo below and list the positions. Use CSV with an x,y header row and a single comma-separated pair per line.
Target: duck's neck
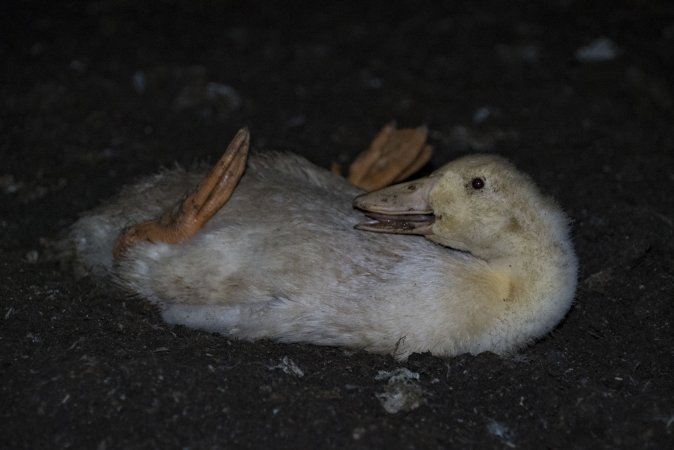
x,y
541,275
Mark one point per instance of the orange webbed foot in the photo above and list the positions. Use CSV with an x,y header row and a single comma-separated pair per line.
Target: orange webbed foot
x,y
393,156
186,218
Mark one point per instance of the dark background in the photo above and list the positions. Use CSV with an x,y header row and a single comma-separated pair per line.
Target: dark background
x,y
96,94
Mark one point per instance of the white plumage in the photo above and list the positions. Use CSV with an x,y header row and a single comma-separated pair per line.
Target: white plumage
x,y
282,260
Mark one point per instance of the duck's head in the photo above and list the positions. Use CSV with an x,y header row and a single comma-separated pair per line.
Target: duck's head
x,y
479,204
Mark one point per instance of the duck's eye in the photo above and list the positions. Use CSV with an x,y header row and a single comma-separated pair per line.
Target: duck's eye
x,y
477,183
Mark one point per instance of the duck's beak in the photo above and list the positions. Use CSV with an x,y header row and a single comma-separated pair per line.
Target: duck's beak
x,y
402,208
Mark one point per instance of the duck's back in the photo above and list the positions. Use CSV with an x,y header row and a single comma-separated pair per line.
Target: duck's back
x,y
288,227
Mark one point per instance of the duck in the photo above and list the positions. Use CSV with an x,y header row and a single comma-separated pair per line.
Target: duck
x,y
469,259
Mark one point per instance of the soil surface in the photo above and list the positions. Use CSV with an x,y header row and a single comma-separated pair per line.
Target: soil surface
x,y
96,94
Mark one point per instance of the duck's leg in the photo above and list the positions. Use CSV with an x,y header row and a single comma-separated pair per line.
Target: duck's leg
x,y
392,156
188,216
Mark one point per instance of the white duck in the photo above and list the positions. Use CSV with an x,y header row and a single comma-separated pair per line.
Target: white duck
x,y
494,270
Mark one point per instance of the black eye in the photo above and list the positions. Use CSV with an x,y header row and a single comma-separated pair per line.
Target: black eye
x,y
477,183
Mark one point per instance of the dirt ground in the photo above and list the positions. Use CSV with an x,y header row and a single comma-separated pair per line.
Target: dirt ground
x,y
95,94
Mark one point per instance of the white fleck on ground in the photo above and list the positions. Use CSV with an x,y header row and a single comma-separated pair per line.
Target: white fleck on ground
x,y
402,393
288,366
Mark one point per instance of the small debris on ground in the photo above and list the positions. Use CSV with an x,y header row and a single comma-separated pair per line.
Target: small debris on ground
x,y
288,366
402,393
600,49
